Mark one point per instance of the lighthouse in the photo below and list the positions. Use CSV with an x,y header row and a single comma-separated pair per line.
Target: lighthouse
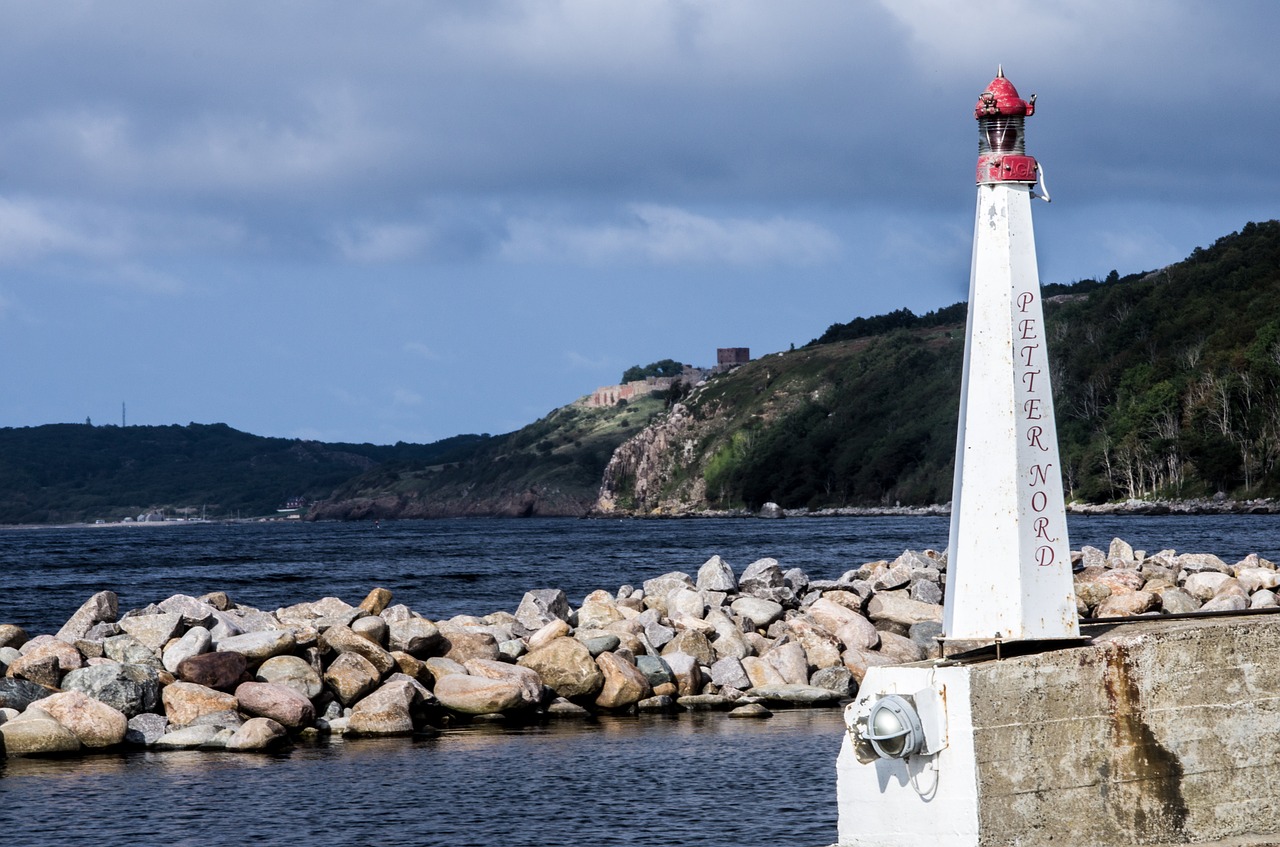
x,y
1009,563
1150,731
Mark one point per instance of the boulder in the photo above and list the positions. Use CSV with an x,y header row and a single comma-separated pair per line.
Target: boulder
x,y
624,683
352,676
1263,598
897,607
687,673
103,606
751,710
477,695
538,608
223,670
387,711
133,689
292,672
796,695
790,661
530,682
38,667
415,636
146,729
282,703
716,575
759,612
858,661
130,651
901,649
1122,580
693,643
764,579
375,601
1226,603
194,737
194,642
728,641
18,694
257,735
1121,549
548,633
95,723
761,672
565,666
152,631
839,679
1128,604
371,627
36,733
12,635
598,614
1200,562
729,673
656,671
1256,579
821,648
464,643
194,612
1175,601
186,701
258,646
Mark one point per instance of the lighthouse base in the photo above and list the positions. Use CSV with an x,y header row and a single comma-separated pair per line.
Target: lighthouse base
x,y
1157,733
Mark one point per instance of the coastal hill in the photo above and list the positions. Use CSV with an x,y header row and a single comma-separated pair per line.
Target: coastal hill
x,y
1166,384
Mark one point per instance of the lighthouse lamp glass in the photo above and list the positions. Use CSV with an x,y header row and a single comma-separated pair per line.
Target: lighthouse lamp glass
x,y
1001,134
894,728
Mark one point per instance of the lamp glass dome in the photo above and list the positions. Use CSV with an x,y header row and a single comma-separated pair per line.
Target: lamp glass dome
x,y
894,728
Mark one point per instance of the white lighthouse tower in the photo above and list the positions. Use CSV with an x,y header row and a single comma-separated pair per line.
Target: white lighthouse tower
x,y
1009,564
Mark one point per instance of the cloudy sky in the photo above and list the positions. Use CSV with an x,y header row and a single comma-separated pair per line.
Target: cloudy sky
x,y
386,221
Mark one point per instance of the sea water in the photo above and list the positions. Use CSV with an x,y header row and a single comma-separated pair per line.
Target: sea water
x,y
693,779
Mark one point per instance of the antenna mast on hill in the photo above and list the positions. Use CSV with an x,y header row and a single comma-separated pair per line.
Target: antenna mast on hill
x,y
122,423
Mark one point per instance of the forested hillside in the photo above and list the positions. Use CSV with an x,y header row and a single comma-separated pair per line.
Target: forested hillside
x,y
80,472
1166,383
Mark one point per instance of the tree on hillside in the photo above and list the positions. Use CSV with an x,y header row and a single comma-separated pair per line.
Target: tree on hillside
x,y
666,367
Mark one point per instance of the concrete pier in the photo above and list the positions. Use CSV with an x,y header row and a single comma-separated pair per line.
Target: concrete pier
x,y
1159,732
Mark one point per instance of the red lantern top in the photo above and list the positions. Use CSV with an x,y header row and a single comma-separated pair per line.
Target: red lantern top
x,y
1001,98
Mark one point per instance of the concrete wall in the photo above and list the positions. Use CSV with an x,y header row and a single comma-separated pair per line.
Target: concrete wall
x,y
1163,732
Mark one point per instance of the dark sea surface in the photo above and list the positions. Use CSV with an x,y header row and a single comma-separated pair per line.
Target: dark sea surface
x,y
696,779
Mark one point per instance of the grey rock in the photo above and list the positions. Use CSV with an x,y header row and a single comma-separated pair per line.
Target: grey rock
x,y
352,676
539,607
706,702
131,688
477,695
194,612
12,635
798,695
925,634
222,719
763,578
152,631
293,672
35,733
729,673
716,575
1226,603
838,679
655,669
772,511
660,703
145,729
566,666
130,651
373,628
1175,601
190,738
925,591
761,612
258,646
103,606
751,710
257,735
20,693
415,636
194,642
605,642
797,580
790,661
387,711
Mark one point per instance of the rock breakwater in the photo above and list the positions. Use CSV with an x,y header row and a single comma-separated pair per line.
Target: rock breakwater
x,y
204,672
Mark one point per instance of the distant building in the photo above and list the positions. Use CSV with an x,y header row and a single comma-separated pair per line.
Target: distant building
x,y
728,358
612,395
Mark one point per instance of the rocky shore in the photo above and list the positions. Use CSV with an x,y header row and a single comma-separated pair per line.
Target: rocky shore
x,y
206,673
